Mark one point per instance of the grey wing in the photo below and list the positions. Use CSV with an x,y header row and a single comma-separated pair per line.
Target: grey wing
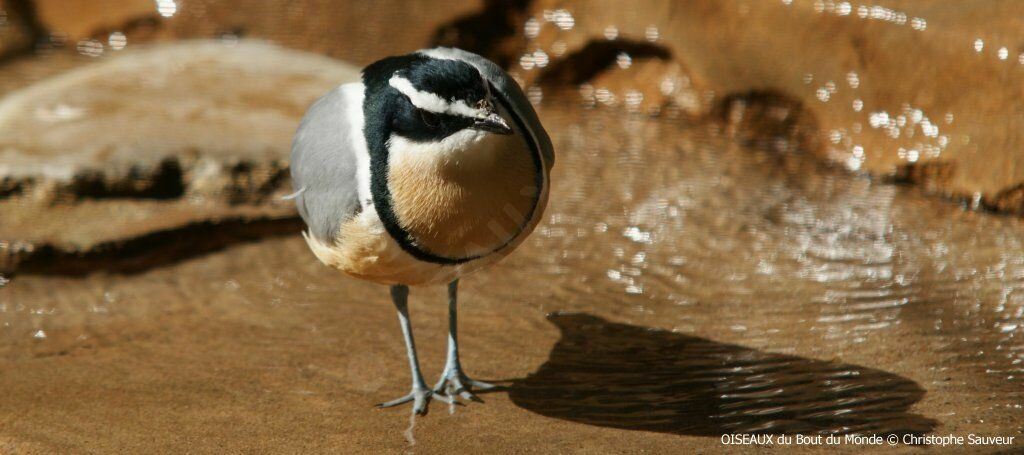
x,y
517,99
324,164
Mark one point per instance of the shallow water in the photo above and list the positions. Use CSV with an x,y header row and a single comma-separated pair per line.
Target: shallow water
x,y
681,283
691,278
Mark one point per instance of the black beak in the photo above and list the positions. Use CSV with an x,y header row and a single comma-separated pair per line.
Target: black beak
x,y
493,123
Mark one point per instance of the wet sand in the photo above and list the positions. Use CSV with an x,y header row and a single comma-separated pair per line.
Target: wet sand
x,y
682,285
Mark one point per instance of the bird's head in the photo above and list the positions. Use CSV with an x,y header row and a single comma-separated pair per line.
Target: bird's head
x,y
432,99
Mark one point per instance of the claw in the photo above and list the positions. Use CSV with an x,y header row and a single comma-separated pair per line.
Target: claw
x,y
467,395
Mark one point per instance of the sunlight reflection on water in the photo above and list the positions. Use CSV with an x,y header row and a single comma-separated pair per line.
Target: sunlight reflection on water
x,y
676,221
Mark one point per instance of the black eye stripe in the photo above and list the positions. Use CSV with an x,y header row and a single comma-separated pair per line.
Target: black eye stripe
x,y
440,117
423,126
429,118
445,124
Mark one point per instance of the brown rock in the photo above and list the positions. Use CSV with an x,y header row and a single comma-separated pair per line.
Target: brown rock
x,y
887,87
1010,200
651,85
354,31
153,140
127,235
218,116
769,121
636,75
16,29
81,19
359,32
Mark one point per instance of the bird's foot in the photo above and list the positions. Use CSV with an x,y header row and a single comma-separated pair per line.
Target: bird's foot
x,y
419,396
454,383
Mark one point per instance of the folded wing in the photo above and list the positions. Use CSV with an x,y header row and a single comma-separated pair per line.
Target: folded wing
x,y
324,162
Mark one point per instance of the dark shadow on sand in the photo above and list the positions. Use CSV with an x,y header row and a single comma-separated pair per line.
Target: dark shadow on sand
x,y
637,378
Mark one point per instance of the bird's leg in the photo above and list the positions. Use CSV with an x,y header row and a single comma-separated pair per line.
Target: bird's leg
x,y
453,381
420,394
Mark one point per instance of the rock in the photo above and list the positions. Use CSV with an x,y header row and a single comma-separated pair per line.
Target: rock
x,y
887,88
82,19
127,236
17,73
354,31
348,30
16,29
650,85
639,76
220,116
153,140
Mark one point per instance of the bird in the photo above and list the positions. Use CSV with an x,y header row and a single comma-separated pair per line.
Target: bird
x,y
432,166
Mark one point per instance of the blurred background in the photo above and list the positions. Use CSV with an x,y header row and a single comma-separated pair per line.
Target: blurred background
x,y
768,216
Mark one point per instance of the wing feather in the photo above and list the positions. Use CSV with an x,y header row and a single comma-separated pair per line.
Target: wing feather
x,y
324,163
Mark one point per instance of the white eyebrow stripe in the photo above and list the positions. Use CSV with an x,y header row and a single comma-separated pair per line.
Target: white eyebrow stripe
x,y
433,103
423,100
460,107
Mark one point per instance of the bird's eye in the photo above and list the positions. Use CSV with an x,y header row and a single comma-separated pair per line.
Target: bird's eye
x,y
430,119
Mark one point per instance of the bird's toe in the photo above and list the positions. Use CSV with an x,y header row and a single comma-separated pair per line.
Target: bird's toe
x,y
481,385
420,399
457,384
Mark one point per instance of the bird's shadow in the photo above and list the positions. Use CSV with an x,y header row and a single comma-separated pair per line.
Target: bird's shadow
x,y
637,378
